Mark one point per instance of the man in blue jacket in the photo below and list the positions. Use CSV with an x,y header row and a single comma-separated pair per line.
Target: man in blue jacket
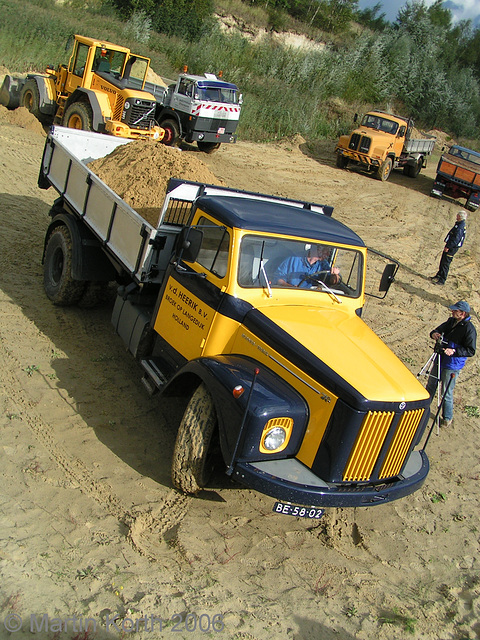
x,y
456,340
454,240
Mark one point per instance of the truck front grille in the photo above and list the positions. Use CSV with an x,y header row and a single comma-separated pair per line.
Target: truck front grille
x,y
359,143
376,444
140,115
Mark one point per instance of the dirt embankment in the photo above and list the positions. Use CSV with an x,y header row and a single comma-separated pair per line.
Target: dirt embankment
x,y
91,527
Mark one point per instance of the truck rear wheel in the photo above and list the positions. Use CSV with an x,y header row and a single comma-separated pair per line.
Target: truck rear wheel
x,y
208,147
172,132
412,170
78,116
58,283
191,462
384,170
30,98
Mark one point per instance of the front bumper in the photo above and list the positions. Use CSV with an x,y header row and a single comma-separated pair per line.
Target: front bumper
x,y
209,136
116,128
291,481
368,163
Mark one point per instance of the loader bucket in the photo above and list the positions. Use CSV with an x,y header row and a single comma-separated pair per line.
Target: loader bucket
x,y
10,92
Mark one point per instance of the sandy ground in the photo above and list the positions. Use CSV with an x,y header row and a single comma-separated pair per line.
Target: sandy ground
x,y
91,527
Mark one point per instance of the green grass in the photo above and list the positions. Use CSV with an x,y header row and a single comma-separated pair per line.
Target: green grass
x,y
286,91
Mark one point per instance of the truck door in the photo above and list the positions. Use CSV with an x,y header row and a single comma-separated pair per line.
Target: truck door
x,y
191,298
77,68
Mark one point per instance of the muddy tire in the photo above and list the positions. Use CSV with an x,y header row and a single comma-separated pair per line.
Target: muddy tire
x,y
58,283
412,171
191,466
385,170
208,147
172,132
78,116
93,295
30,99
342,162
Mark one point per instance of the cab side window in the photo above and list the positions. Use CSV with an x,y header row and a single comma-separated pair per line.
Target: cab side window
x,y
213,253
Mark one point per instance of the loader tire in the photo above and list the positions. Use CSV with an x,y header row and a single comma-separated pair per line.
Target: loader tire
x,y
208,147
172,132
191,464
385,170
58,283
30,99
78,116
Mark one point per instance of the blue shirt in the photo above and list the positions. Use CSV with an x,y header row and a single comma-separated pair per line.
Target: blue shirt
x,y
294,269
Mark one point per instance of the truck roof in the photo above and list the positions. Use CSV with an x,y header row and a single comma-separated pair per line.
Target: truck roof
x,y
204,81
460,148
93,42
388,115
274,217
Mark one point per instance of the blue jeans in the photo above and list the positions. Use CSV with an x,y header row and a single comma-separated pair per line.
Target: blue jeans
x,y
445,376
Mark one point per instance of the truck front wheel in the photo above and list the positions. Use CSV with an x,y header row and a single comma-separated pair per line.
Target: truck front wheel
x,y
172,132
191,461
342,162
208,147
78,116
384,170
58,283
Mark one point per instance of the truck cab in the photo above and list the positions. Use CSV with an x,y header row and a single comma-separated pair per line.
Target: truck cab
x,y
304,401
202,109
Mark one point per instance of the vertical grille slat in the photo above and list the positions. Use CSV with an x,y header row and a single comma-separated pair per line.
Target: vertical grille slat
x,y
371,439
401,442
367,446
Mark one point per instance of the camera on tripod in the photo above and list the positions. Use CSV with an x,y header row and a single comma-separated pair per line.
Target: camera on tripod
x,y
440,345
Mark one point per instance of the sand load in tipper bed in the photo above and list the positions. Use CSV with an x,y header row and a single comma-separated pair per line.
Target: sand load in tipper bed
x,y
140,170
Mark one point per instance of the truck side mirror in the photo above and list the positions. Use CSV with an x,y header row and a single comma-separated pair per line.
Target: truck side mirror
x,y
188,244
388,277
355,117
401,131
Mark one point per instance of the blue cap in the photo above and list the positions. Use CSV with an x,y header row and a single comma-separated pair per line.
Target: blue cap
x,y
461,305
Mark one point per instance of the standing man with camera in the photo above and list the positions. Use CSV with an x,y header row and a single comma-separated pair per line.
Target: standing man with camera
x,y
455,341
454,240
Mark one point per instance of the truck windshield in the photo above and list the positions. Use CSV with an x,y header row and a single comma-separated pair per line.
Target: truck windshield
x,y
299,264
381,124
108,60
214,93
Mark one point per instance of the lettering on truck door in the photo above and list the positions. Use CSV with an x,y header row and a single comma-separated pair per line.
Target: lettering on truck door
x,y
189,304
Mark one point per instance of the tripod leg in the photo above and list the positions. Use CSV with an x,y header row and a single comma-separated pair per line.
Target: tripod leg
x,y
439,395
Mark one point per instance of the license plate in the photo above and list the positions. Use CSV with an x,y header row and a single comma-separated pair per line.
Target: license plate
x,y
221,131
287,509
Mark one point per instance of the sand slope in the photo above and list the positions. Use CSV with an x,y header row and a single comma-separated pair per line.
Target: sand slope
x,y
90,525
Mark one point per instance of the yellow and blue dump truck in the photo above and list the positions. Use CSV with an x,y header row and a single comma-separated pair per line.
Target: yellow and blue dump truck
x,y
285,386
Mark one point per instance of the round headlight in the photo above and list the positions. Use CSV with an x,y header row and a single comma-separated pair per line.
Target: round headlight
x,y
274,438
127,105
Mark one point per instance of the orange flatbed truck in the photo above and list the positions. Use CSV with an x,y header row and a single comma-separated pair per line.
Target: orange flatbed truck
x,y
286,387
458,176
